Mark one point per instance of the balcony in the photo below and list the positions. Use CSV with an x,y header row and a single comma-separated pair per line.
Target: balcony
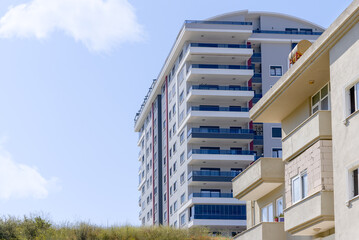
x,y
259,179
257,78
223,135
287,32
258,140
257,97
212,72
212,176
256,58
310,216
264,231
316,127
217,156
241,51
211,195
214,93
217,113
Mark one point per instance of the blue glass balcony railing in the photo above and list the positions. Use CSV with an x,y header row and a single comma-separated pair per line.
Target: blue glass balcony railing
x,y
219,45
229,212
211,195
288,32
216,66
220,130
220,152
221,133
258,140
218,22
218,109
257,78
256,58
212,175
216,87
257,97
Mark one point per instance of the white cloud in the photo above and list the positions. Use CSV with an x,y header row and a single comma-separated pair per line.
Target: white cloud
x,y
100,25
21,181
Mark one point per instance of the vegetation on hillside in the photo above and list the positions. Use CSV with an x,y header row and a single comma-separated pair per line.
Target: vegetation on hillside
x,y
39,228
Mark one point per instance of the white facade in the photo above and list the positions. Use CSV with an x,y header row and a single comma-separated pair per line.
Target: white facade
x,y
194,126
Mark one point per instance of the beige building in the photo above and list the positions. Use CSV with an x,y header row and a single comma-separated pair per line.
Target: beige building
x,y
313,188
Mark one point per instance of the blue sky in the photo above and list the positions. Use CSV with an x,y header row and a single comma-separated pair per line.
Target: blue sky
x,y
73,73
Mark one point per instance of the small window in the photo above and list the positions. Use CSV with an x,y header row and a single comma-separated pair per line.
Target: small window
x,y
183,219
181,97
182,158
175,186
267,213
275,71
276,132
355,183
174,109
182,179
299,187
175,166
354,98
175,206
182,137
277,152
165,216
321,100
183,198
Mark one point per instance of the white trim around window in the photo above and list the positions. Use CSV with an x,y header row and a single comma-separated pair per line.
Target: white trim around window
x,y
299,187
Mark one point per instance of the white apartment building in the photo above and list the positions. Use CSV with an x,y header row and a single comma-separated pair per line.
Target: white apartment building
x,y
195,134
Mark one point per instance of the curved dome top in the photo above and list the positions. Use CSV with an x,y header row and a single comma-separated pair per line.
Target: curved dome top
x,y
245,15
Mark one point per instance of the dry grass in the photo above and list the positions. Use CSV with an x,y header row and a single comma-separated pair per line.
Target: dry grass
x,y
39,228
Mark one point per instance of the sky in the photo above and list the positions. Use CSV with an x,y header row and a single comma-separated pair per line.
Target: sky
x,y
73,73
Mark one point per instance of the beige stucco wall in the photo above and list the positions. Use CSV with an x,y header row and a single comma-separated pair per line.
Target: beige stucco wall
x,y
344,70
294,119
317,161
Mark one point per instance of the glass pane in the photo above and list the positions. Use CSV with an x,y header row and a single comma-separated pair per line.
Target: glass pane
x,y
324,105
296,190
315,99
357,96
279,206
315,109
278,71
270,213
324,91
272,71
304,185
264,214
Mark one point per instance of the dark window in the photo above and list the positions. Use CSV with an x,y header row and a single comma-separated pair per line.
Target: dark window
x,y
352,99
355,178
276,132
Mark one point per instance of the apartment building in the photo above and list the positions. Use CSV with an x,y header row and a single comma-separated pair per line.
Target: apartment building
x,y
194,129
313,189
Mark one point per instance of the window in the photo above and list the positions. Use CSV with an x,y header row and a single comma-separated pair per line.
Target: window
x,y
164,178
183,219
174,166
175,206
276,132
299,187
279,206
355,183
267,213
182,137
181,97
170,115
182,158
320,100
277,152
354,98
275,71
165,197
174,147
182,178
174,109
175,186
174,128
171,212
183,198
165,216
